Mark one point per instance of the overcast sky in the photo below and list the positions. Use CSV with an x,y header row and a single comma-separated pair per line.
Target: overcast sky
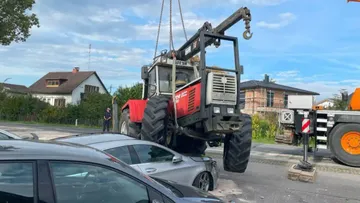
x,y
313,45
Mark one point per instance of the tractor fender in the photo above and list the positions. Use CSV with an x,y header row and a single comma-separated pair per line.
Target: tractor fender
x,y
136,109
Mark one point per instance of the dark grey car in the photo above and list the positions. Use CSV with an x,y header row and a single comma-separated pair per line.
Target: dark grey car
x,y
53,172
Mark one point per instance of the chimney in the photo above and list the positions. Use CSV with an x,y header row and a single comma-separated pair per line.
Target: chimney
x,y
266,79
75,69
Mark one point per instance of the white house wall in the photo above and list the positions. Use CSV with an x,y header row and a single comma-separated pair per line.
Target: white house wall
x,y
92,80
50,98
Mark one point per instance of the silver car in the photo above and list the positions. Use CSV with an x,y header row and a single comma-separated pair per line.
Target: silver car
x,y
6,135
153,159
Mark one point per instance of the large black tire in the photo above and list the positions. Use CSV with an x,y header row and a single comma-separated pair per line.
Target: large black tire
x,y
132,129
237,147
155,121
336,148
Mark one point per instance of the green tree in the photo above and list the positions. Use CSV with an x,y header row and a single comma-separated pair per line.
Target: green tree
x,y
339,103
94,106
16,21
123,94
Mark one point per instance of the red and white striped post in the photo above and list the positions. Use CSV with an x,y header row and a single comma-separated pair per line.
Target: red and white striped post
x,y
305,129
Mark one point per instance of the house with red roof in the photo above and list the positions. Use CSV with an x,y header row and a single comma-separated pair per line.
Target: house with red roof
x,y
62,88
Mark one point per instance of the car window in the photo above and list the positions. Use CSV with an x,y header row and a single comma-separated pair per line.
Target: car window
x,y
150,153
3,136
121,153
16,182
83,183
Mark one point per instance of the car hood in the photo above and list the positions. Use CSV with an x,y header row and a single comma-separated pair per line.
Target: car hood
x,y
188,193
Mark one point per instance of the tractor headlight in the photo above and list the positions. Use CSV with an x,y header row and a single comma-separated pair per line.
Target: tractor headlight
x,y
216,109
230,110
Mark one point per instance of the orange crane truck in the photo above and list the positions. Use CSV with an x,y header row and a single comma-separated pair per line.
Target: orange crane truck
x,y
336,130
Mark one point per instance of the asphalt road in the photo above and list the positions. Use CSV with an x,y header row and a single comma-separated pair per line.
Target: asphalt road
x,y
266,177
268,183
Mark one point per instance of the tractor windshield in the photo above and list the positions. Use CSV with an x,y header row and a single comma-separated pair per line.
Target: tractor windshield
x,y
183,77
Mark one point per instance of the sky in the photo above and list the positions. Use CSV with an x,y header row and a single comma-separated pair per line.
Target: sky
x,y
308,44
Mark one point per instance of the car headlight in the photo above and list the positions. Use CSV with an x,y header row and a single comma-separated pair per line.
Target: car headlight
x,y
230,110
216,109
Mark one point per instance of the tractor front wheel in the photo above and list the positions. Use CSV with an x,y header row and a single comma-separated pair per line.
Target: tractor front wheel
x,y
237,147
156,119
127,127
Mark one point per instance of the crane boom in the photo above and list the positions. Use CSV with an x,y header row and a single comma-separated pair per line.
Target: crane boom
x,y
191,47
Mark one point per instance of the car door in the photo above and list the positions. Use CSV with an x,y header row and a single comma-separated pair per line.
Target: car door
x,y
83,182
157,161
17,181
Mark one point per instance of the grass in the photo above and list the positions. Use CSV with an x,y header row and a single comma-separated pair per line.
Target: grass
x,y
263,140
49,124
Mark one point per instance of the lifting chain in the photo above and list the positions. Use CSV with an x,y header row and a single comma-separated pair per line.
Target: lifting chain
x,y
182,20
171,41
158,33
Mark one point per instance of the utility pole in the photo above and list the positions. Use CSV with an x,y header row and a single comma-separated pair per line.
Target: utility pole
x,y
110,88
89,56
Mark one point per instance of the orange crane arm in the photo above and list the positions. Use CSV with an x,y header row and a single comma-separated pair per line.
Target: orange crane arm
x,y
354,103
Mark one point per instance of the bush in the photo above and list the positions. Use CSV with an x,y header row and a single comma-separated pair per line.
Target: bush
x,y
21,107
265,127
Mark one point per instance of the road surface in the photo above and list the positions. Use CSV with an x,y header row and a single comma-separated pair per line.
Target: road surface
x,y
265,179
268,183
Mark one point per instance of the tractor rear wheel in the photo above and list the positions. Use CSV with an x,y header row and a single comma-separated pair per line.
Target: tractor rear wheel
x,y
345,143
127,127
156,120
237,147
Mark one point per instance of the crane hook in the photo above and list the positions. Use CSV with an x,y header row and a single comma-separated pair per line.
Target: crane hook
x,y
247,35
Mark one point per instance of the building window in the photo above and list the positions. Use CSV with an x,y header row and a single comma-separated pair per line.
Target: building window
x,y
270,98
52,83
242,99
91,89
286,96
59,102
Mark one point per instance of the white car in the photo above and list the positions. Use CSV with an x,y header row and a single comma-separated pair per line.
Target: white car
x,y
153,159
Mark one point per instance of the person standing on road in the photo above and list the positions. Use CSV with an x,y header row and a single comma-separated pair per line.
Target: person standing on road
x,y
107,118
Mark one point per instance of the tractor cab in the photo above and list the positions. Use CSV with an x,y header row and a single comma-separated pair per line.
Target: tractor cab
x,y
158,76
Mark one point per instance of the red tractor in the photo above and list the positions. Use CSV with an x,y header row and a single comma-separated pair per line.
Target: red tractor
x,y
187,104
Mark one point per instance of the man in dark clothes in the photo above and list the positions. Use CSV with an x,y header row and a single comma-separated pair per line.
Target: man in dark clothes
x,y
107,118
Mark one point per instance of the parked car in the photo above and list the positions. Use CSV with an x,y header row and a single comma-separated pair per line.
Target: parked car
x,y
6,135
49,171
154,159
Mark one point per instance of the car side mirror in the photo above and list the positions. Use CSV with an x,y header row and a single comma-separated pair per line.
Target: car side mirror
x,y
34,136
177,159
144,73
